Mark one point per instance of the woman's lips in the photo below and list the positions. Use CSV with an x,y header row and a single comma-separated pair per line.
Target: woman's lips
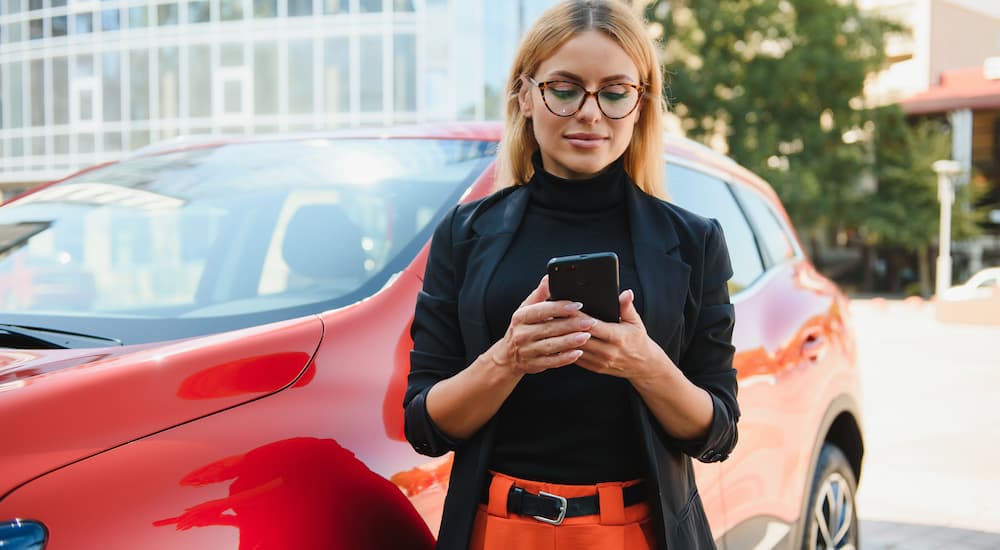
x,y
585,140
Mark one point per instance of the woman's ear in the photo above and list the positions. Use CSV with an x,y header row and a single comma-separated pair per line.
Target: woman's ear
x,y
524,98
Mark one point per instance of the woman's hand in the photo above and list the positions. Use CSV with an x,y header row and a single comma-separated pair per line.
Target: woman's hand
x,y
624,349
542,334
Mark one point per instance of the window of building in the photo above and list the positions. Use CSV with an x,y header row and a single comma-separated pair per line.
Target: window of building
x,y
111,82
336,6
300,77
83,23
36,29
708,196
38,93
138,17
336,71
111,20
113,141
16,86
37,147
138,138
200,81
82,97
265,8
230,83
58,24
166,14
139,86
35,5
298,8
404,67
232,96
198,12
371,76
15,32
231,10
60,90
13,7
85,143
774,237
265,78
402,5
57,3
61,144
170,86
371,6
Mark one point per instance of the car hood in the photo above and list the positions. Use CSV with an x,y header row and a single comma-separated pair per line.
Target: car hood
x,y
60,406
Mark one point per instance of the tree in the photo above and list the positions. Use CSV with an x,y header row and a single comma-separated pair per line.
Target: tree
x,y
903,211
779,82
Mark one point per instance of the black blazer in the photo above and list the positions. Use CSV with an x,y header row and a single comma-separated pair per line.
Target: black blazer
x,y
683,266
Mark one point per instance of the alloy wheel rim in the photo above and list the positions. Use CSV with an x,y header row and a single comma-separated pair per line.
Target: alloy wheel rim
x,y
833,516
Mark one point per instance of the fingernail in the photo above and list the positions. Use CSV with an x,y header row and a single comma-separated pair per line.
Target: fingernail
x,y
575,306
576,354
582,337
588,323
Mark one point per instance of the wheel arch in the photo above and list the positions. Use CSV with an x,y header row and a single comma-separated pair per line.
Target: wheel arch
x,y
841,426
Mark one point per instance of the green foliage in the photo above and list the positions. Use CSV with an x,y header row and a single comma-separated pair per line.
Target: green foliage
x,y
904,210
780,81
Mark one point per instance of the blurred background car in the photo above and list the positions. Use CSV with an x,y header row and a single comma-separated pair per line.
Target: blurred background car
x,y
206,346
974,302
981,285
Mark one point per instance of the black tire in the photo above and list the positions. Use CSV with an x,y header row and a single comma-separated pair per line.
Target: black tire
x,y
830,518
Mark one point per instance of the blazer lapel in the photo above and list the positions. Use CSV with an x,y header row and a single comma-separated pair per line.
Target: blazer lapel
x,y
663,275
491,235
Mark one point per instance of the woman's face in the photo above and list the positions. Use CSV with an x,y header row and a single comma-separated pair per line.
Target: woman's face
x,y
585,143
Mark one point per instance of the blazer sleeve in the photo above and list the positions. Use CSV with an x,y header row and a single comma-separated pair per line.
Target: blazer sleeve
x,y
438,351
708,359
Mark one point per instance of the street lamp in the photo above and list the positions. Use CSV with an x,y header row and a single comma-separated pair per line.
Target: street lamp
x,y
945,169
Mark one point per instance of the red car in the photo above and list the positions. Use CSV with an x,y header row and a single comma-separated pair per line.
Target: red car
x,y
223,359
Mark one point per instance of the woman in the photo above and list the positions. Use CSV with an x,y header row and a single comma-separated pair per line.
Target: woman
x,y
571,432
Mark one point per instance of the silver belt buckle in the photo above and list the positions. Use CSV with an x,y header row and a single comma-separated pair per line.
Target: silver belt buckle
x,y
562,509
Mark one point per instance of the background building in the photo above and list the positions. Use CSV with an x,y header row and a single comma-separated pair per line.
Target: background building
x,y
947,66
86,81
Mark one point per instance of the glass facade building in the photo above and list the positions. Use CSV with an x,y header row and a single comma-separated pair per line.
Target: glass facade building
x,y
86,81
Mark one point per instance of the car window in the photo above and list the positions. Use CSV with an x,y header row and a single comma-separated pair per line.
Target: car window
x,y
709,196
231,235
772,232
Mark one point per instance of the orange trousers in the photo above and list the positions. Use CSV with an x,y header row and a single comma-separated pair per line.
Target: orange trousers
x,y
615,528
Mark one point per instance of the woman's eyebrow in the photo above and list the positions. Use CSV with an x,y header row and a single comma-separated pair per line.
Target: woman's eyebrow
x,y
572,76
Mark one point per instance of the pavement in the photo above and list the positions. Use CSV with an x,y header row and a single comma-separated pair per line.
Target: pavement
x,y
931,406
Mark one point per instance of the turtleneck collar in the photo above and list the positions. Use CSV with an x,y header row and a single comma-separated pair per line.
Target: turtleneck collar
x,y
601,192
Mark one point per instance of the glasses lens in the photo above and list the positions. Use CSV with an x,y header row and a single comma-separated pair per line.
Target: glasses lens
x,y
617,100
563,98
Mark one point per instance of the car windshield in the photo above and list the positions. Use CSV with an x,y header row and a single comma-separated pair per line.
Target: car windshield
x,y
223,237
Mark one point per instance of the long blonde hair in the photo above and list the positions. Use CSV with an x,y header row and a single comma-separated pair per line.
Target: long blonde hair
x,y
644,155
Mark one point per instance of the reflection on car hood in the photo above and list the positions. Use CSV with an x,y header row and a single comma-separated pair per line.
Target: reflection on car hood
x,y
60,406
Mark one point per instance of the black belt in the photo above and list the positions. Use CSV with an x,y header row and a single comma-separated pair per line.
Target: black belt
x,y
549,508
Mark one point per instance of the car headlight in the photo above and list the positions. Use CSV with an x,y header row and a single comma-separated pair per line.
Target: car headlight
x,y
18,534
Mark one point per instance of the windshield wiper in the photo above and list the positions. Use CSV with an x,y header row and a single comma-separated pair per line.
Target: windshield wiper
x,y
21,337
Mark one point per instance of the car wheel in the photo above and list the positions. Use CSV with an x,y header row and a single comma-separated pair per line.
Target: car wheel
x,y
831,521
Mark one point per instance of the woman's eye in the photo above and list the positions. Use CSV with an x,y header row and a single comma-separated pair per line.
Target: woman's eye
x,y
615,93
564,91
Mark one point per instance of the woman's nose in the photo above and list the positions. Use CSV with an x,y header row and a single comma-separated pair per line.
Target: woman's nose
x,y
590,111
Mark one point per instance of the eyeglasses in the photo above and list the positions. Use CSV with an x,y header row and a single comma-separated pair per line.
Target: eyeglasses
x,y
565,98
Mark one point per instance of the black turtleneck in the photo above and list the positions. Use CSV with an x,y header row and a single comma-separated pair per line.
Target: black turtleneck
x,y
565,425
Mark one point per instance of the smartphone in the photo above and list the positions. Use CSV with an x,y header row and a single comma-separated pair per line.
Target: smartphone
x,y
591,279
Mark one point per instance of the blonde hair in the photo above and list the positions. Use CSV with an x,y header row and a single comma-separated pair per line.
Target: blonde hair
x,y
644,154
